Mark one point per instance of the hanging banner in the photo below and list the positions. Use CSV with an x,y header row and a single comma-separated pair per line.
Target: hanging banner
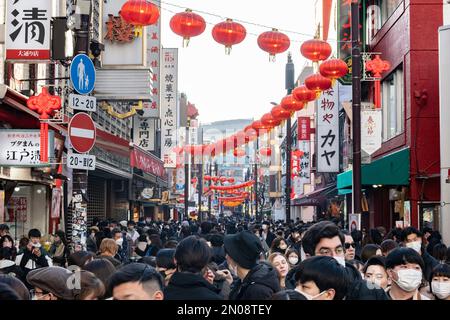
x,y
305,164
28,30
304,128
354,221
371,125
151,109
56,203
169,88
328,131
144,131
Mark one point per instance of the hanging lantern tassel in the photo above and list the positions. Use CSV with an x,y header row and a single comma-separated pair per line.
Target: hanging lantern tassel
x,y
138,31
186,42
44,142
227,50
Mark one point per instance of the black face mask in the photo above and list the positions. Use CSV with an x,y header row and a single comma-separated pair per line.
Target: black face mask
x,y
7,253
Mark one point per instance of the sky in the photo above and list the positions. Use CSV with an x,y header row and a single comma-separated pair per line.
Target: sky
x,y
241,85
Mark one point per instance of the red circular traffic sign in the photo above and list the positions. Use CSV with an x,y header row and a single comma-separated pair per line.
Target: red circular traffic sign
x,y
82,132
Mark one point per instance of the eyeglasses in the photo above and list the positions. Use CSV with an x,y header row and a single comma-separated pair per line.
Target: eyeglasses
x,y
348,245
38,295
329,252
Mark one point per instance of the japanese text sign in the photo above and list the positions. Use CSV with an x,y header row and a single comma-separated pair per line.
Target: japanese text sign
x,y
371,122
144,133
28,29
22,147
169,88
304,128
328,131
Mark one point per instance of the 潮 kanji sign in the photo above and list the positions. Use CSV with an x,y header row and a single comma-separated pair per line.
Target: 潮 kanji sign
x,y
82,132
328,131
169,85
28,29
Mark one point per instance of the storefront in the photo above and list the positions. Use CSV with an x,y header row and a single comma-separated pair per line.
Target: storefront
x,y
148,187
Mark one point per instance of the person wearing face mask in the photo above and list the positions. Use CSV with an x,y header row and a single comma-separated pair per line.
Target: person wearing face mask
x,y
322,278
440,282
375,272
404,267
131,231
294,240
266,234
91,241
325,239
120,239
293,257
412,238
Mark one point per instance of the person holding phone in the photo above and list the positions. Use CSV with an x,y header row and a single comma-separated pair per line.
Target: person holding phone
x,y
33,256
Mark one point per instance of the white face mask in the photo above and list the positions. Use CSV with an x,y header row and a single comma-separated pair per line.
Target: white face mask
x,y
409,279
416,245
119,242
310,297
293,260
440,289
283,246
341,260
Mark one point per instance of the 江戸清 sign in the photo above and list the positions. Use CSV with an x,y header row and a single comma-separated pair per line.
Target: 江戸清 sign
x,y
21,148
27,34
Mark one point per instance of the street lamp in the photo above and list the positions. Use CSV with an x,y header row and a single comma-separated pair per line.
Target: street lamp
x,y
290,83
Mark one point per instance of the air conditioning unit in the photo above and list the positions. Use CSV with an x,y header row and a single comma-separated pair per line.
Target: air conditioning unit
x,y
395,195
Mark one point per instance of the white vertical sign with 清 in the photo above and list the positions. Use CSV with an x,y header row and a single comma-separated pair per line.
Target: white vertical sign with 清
x,y
169,88
28,30
328,131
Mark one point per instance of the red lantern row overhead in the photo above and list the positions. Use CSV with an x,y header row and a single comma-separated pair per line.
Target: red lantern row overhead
x,y
317,83
140,13
238,152
333,69
187,24
274,42
290,104
280,113
316,50
229,33
269,120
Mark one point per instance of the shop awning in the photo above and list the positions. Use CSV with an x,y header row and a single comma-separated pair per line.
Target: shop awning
x,y
316,197
390,170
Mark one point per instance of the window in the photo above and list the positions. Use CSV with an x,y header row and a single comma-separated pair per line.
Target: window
x,y
393,104
378,12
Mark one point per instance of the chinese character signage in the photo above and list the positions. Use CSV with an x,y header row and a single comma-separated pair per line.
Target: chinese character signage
x,y
28,29
144,133
151,109
122,47
148,163
345,36
17,208
371,122
304,128
305,163
169,84
22,147
328,131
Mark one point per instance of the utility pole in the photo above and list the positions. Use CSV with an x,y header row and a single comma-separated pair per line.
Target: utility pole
x,y
256,180
187,158
209,185
356,108
289,81
80,177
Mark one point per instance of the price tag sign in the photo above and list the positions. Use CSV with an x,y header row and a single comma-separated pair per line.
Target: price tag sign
x,y
80,161
84,103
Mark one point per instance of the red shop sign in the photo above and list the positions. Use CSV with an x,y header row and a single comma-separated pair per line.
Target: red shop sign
x,y
304,128
147,163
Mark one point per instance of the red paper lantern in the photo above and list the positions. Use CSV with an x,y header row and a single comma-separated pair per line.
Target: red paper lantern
x,y
269,120
316,50
207,178
317,83
229,33
215,179
187,24
231,180
223,179
250,133
266,152
280,113
260,127
333,69
238,152
274,42
303,94
290,104
140,13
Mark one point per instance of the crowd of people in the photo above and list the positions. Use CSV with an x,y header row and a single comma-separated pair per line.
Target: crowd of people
x,y
226,259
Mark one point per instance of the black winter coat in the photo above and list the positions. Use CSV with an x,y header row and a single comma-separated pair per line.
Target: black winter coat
x,y
430,263
259,284
190,286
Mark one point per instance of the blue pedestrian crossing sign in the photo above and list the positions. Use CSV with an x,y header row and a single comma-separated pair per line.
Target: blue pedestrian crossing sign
x,y
82,74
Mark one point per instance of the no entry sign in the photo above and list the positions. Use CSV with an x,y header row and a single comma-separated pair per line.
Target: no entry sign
x,y
82,132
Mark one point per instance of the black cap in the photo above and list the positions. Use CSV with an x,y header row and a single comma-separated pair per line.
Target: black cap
x,y
244,248
4,226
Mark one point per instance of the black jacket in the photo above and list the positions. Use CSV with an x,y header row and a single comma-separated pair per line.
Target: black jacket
x,y
430,263
362,290
190,286
259,284
269,239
